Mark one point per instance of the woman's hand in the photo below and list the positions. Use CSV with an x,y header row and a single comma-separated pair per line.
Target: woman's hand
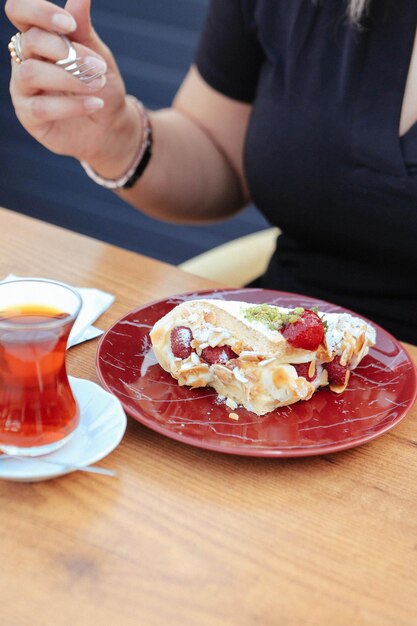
x,y
86,121
196,171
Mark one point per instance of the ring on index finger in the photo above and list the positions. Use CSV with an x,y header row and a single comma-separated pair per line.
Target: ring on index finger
x,y
15,48
72,64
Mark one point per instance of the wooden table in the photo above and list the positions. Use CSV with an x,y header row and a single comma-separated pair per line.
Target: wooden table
x,y
186,537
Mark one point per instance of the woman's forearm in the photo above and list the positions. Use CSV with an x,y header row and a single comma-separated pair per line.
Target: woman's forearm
x,y
188,179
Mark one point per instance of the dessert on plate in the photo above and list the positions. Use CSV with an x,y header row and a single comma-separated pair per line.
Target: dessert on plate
x,y
259,356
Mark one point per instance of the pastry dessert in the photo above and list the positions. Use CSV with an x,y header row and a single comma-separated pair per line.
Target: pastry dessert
x,y
262,356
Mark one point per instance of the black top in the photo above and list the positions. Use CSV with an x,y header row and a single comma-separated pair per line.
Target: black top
x,y
323,158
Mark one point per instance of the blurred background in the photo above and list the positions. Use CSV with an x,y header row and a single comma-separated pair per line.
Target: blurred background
x,y
153,42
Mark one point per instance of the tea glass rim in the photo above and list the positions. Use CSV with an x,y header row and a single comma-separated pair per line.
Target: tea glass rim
x,y
53,323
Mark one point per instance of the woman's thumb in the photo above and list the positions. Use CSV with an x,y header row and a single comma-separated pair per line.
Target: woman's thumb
x,y
85,33
80,10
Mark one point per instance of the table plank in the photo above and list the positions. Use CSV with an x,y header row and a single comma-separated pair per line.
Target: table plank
x,y
184,536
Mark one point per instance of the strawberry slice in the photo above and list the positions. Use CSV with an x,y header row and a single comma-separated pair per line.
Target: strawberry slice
x,y
302,370
181,337
219,354
336,372
307,332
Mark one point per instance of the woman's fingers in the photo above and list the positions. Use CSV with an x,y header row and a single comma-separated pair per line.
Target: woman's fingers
x,y
38,43
34,76
75,19
26,13
40,109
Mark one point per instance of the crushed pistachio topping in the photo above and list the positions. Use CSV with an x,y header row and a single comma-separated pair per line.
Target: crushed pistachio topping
x,y
266,314
294,315
271,316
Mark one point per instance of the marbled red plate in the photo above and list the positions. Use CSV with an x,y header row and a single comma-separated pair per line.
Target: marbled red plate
x,y
380,392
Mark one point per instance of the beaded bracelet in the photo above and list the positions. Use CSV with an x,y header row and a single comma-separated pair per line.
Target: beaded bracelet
x,y
127,180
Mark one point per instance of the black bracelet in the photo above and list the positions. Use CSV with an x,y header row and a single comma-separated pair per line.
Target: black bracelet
x,y
143,162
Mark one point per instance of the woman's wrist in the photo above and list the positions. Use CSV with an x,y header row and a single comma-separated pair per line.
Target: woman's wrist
x,y
123,141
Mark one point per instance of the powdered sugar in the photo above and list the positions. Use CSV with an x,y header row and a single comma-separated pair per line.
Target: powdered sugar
x,y
338,323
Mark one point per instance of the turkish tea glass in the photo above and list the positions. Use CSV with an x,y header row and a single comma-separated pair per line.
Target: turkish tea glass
x,y
38,411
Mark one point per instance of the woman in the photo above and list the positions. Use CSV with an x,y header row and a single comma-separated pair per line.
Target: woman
x,y
292,104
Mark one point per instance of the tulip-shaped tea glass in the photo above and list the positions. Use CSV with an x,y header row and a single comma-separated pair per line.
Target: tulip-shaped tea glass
x,y
38,412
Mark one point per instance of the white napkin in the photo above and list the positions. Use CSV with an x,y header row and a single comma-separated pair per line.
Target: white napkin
x,y
95,302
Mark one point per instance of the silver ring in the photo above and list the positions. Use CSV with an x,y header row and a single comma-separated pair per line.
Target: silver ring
x,y
69,62
15,48
72,64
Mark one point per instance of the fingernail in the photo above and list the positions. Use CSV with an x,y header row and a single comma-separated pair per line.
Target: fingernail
x,y
64,23
97,83
96,63
93,104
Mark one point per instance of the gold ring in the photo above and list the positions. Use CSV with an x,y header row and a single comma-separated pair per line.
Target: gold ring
x,y
15,48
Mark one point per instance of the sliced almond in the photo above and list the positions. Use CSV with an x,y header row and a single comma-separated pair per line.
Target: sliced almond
x,y
231,403
195,358
209,316
312,369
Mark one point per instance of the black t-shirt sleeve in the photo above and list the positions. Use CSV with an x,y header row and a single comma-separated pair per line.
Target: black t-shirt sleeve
x,y
229,56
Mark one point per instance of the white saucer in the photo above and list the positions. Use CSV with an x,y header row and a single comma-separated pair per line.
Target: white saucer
x,y
101,428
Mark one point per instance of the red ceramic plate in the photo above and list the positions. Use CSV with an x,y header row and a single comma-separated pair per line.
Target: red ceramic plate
x,y
380,392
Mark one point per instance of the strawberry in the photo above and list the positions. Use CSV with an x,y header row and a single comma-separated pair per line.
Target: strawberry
x,y
302,370
181,337
336,371
307,332
218,354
